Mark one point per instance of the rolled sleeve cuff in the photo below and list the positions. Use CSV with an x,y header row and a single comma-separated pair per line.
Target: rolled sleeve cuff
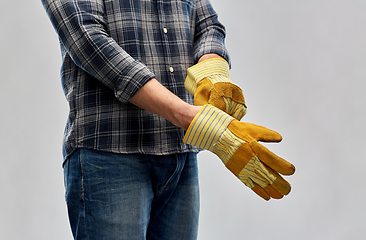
x,y
216,48
136,76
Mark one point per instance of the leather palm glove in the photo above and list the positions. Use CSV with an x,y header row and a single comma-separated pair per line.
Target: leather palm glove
x,y
235,143
209,82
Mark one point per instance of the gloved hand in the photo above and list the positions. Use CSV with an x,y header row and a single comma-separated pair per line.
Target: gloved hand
x,y
235,143
209,82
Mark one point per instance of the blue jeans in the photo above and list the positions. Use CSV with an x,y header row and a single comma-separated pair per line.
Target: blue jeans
x,y
118,196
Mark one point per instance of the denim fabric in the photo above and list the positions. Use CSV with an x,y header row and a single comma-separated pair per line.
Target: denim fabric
x,y
119,196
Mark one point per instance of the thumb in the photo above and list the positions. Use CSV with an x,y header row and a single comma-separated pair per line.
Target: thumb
x,y
250,131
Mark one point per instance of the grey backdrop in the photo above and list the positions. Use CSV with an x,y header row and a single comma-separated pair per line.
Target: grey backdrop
x,y
301,65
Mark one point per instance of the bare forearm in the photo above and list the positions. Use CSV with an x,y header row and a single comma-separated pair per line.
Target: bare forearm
x,y
157,99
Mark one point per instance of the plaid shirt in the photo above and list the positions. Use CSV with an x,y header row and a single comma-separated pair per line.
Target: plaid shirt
x,y
110,48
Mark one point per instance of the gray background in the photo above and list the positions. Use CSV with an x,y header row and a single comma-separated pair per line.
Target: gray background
x,y
301,65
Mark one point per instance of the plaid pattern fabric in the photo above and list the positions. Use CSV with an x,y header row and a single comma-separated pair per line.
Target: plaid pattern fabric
x,y
110,48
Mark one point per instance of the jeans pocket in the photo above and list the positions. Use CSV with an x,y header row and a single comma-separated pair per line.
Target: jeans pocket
x,y
174,177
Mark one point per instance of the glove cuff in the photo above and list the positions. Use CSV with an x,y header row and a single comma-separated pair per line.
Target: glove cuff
x,y
207,127
204,69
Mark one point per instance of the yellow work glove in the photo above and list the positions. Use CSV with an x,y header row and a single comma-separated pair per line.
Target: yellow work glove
x,y
209,82
235,143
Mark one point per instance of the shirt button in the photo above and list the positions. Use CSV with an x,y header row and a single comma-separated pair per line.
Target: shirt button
x,y
165,30
171,69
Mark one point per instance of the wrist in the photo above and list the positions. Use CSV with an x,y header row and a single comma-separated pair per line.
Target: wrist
x,y
185,116
208,56
155,98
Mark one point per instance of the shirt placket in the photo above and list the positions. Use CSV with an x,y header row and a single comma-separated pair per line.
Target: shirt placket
x,y
165,31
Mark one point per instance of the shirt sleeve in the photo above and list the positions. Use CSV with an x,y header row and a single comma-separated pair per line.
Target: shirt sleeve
x,y
81,27
209,32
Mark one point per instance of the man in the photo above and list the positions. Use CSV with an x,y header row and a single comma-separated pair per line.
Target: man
x,y
130,169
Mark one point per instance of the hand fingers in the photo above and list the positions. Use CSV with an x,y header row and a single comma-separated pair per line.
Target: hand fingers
x,y
273,192
280,184
267,193
275,162
255,187
268,176
276,189
261,192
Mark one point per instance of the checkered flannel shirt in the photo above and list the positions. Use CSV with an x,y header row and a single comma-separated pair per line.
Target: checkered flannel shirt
x,y
110,48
